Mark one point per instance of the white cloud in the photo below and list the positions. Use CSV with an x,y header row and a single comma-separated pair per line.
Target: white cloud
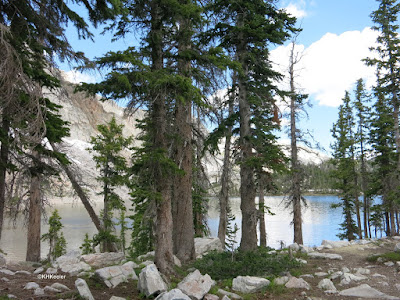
x,y
331,65
296,10
78,77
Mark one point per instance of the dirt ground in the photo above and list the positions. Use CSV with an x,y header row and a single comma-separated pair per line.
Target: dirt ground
x,y
353,257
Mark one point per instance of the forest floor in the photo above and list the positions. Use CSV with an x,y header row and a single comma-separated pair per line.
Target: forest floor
x,y
353,257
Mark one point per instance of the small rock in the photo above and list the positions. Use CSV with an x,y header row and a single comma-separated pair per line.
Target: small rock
x,y
5,279
297,283
335,244
11,296
83,289
345,270
31,286
281,280
348,277
326,284
383,283
117,298
229,294
365,291
397,286
7,272
3,261
389,264
302,261
321,274
38,270
249,284
336,275
60,286
397,248
51,271
49,289
23,272
210,297
38,292
225,297
376,275
362,271
307,276
174,294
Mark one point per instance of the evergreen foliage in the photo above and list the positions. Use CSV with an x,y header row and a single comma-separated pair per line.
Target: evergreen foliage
x,y
55,237
87,245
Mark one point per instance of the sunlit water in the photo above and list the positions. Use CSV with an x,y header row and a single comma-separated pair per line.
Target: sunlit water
x,y
320,221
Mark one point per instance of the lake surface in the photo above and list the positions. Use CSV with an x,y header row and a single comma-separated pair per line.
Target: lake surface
x,y
320,222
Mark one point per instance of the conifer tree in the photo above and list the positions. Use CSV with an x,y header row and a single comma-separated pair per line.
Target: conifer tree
x,y
107,148
245,30
344,162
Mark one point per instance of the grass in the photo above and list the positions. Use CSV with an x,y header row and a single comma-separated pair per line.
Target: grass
x,y
252,263
389,256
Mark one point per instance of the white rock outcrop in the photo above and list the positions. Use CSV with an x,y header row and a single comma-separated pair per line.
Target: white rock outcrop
x,y
196,285
204,245
114,275
150,281
99,260
335,244
249,284
332,256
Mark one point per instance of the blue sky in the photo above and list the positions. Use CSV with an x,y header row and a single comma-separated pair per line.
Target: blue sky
x,y
336,36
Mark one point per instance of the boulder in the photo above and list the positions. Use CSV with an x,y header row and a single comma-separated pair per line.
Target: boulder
x,y
249,284
332,256
72,257
297,283
335,244
204,245
294,247
174,294
365,291
150,281
114,275
196,285
336,275
99,260
327,285
397,248
76,268
83,289
306,249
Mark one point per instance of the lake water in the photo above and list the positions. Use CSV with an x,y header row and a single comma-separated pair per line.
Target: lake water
x,y
320,222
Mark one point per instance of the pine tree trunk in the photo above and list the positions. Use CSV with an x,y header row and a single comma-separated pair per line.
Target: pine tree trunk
x,y
247,185
224,194
364,188
183,218
4,152
261,210
164,226
296,180
33,247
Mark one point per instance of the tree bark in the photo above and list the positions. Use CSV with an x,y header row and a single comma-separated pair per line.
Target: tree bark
x,y
34,230
4,153
183,217
261,210
247,185
224,193
164,225
296,180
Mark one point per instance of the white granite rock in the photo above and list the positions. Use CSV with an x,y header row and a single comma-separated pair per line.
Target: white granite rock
x,y
281,280
347,278
211,297
174,294
365,291
38,292
60,286
150,281
117,298
83,289
196,285
49,289
99,260
397,248
38,270
326,284
23,272
294,247
297,283
31,286
76,268
204,245
335,244
7,272
229,294
249,284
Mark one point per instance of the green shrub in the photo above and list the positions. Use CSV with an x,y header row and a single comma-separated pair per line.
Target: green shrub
x,y
219,265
